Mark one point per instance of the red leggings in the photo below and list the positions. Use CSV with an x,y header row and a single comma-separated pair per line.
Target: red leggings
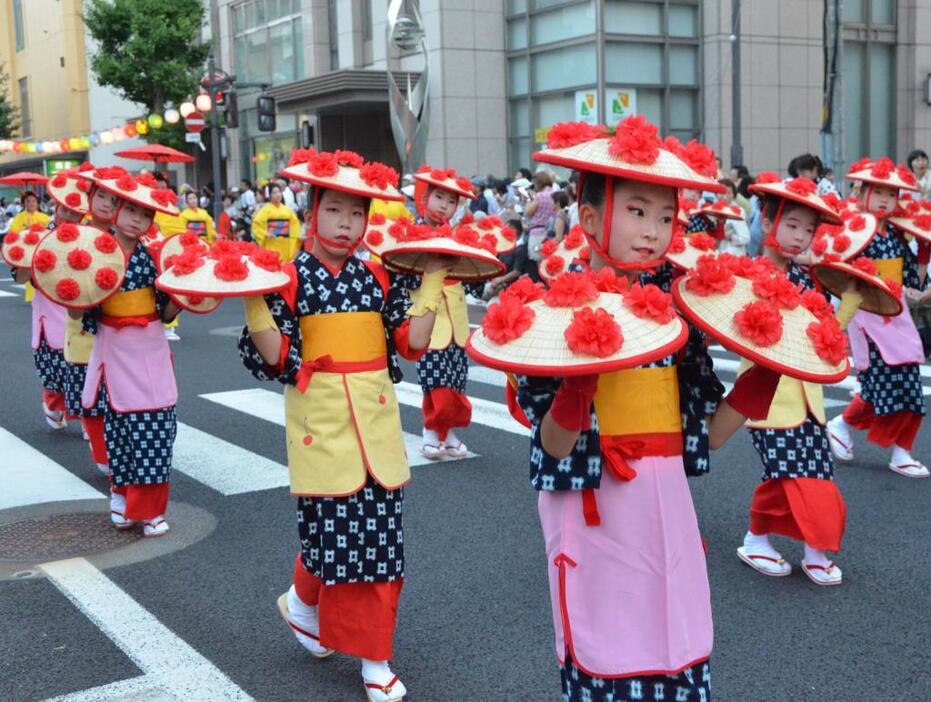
x,y
94,428
898,428
357,619
55,401
804,509
445,409
144,501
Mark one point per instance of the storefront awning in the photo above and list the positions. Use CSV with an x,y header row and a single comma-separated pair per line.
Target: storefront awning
x,y
347,90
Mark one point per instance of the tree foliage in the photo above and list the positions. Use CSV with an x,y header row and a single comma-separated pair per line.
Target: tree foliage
x,y
9,114
148,51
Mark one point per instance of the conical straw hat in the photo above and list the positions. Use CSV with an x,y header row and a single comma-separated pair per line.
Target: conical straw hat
x,y
165,249
343,170
229,269
559,257
505,237
883,172
878,296
845,240
721,210
141,190
18,247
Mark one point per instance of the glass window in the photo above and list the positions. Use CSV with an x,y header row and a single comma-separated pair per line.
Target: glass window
x,y
565,23
517,76
854,11
367,20
516,6
650,104
683,21
562,68
517,34
240,54
683,110
622,17
551,109
25,114
543,4
882,12
18,22
333,27
629,62
520,154
519,118
239,19
257,56
281,52
882,100
683,64
854,98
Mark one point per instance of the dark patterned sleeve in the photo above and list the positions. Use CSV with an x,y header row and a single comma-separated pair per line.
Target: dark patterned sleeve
x,y
89,320
161,302
910,275
579,470
700,391
290,359
398,301
474,289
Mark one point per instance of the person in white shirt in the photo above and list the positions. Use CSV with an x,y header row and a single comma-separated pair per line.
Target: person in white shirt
x,y
736,232
246,195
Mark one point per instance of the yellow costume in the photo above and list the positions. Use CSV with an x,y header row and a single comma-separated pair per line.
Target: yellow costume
x,y
391,209
199,222
277,228
169,225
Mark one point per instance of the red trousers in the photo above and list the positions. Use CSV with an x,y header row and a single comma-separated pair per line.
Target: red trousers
x,y
357,619
94,428
445,409
898,428
804,509
55,401
144,501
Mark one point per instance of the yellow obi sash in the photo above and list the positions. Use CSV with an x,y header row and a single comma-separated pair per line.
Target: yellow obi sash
x,y
793,401
130,303
452,318
342,417
890,268
638,401
78,343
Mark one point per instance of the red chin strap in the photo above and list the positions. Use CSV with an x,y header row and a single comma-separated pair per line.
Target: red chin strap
x,y
602,248
346,251
103,223
771,242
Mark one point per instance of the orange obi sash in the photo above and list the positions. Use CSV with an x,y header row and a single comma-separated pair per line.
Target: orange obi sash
x,y
890,269
129,308
638,415
341,342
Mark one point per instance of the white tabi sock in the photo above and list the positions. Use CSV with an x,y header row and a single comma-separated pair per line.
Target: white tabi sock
x,y
431,438
376,672
815,557
304,615
759,545
900,456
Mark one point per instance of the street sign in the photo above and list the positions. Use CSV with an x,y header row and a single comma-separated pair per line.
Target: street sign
x,y
219,79
192,137
195,122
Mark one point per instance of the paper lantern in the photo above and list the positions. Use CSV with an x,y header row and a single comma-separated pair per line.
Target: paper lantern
x,y
186,108
203,102
172,116
95,139
156,121
74,143
142,127
85,142
106,137
130,130
119,134
64,145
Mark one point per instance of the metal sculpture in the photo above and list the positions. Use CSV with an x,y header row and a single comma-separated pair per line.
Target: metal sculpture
x,y
410,110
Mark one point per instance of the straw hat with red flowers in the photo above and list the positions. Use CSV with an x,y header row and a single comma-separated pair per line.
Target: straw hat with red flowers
x,y
559,257
165,250
226,269
879,296
883,172
69,190
913,217
846,240
141,190
18,247
720,209
505,237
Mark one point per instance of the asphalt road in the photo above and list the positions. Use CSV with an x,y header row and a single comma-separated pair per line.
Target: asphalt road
x,y
474,621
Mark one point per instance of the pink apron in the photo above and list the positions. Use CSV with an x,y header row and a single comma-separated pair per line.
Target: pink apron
x,y
135,364
48,320
896,338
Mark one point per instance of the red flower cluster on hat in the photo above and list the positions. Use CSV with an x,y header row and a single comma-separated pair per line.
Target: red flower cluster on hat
x,y
548,248
841,243
31,238
524,289
923,222
165,198
759,321
906,175
857,223
883,168
266,260
650,302
816,303
377,218
747,267
127,183
299,156
778,289
571,290
607,280
802,186
575,238
701,241
345,157
828,338
59,181
565,134
378,175
859,165
594,333
507,319
10,238
66,232
72,200
323,165
710,277
231,267
865,265
374,238
106,278
699,157
68,289
677,242
44,261
105,243
110,173
186,262
83,185
767,177
554,265
16,253
79,259
636,141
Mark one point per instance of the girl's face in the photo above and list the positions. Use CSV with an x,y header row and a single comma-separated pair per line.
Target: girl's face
x,y
191,201
641,223
693,195
341,219
103,205
133,220
65,214
795,230
727,196
275,195
879,200
443,203
920,166
31,204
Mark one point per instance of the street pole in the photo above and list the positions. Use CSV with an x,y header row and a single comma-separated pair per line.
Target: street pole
x,y
214,138
737,149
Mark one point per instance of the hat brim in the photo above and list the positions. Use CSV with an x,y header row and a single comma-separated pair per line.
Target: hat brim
x,y
877,297
203,282
29,250
346,180
908,226
471,264
448,184
720,214
792,355
828,214
542,350
859,239
198,304
142,195
893,181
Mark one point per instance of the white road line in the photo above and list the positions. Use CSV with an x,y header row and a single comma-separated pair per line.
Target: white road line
x,y
4,293
269,405
139,689
169,663
227,468
485,412
488,376
30,477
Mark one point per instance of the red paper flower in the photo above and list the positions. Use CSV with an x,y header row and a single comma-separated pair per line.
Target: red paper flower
x,y
230,267
489,222
83,185
324,165
865,265
841,243
106,278
509,234
377,218
16,253
635,141
378,175
829,340
299,156
832,200
767,177
819,245
466,236
857,223
11,238
607,280
650,302
67,289
575,238
44,261
830,258
105,243
110,173
701,241
464,184
507,320
185,263
906,175
189,239
802,186
266,260
859,165
777,289
894,286
127,183
72,200
374,238
676,244
710,277
923,222
746,267
398,229
565,134
67,232
585,254
489,242
79,259
165,198
816,303
883,168
348,158
31,238
571,290
594,333
700,158
59,181
224,247
548,248
554,265
760,321
147,179
524,289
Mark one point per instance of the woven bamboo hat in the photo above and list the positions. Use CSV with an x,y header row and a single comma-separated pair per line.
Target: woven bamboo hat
x,y
575,329
491,225
164,251
559,257
685,249
800,190
764,318
18,247
78,266
227,269
846,240
721,210
913,217
879,297
446,179
343,170
883,172
141,190
69,190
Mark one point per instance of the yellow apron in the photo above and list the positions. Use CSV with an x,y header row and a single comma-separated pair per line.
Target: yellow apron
x,y
793,401
638,401
452,318
345,423
130,303
78,343
890,268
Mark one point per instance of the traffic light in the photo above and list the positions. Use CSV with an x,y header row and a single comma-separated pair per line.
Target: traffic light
x,y
266,113
232,111
307,134
221,100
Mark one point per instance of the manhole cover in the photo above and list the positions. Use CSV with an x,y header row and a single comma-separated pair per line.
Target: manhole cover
x,y
61,536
